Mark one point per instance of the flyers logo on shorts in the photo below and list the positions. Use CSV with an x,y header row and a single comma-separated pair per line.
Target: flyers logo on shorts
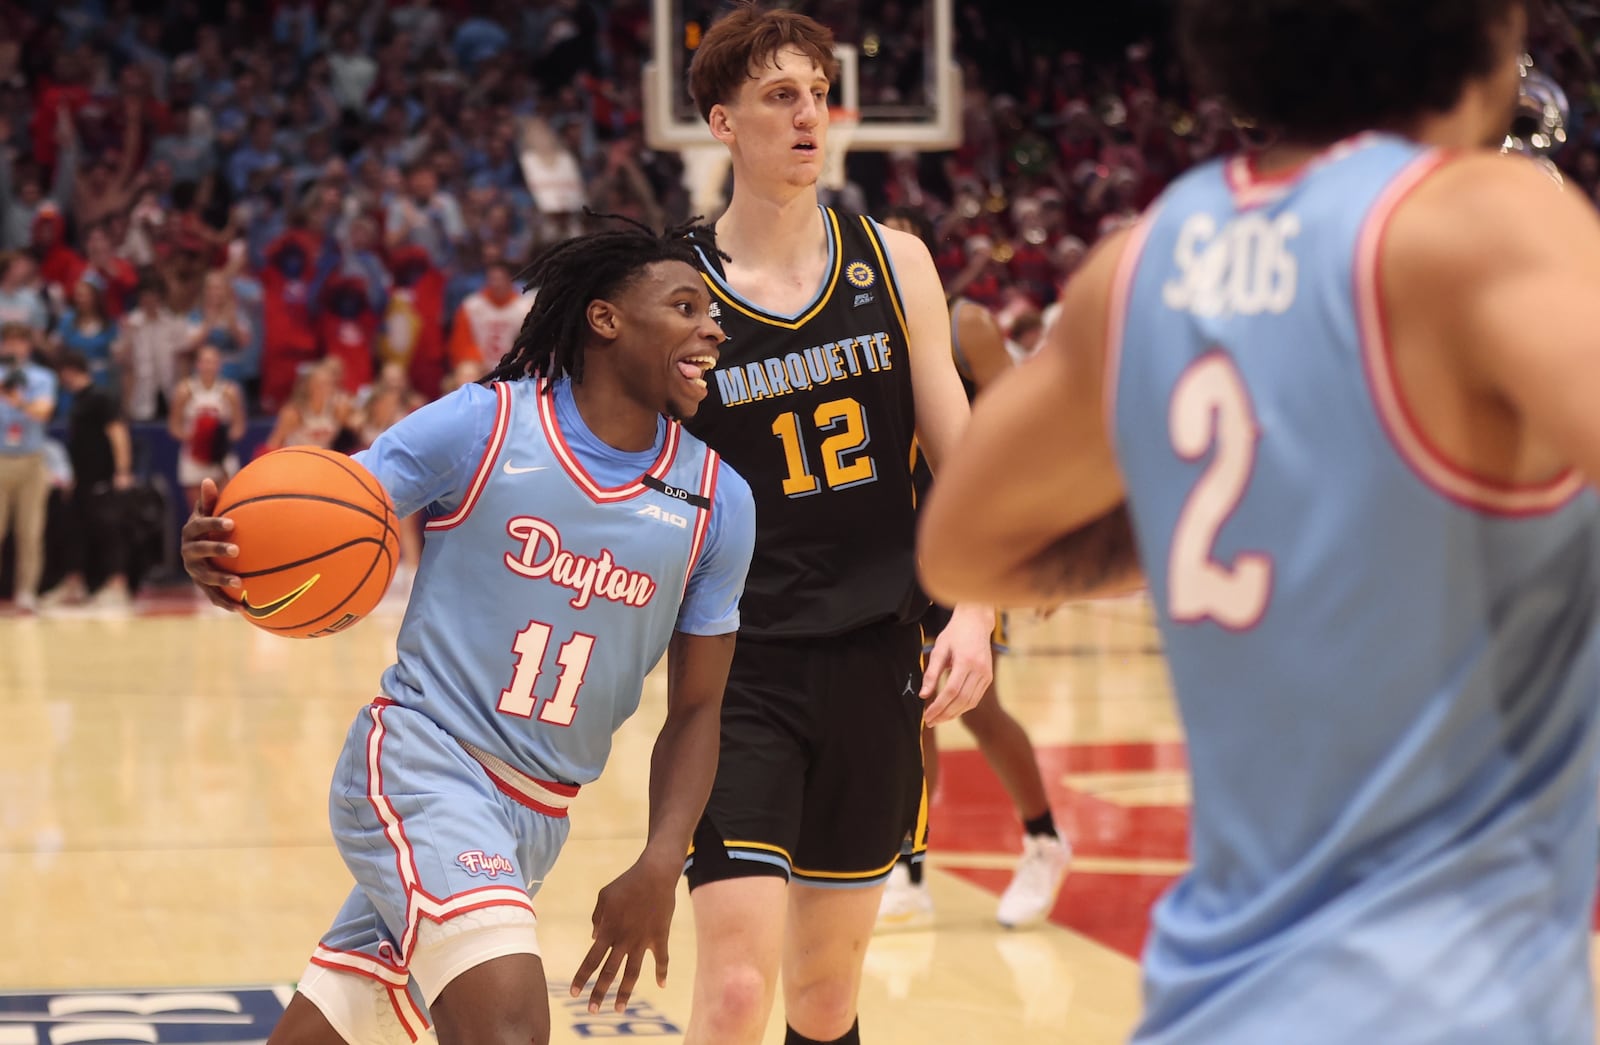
x,y
276,606
860,275
476,861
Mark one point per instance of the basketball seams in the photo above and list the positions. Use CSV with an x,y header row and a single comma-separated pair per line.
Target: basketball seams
x,y
354,542
317,498
344,464
355,590
349,467
360,474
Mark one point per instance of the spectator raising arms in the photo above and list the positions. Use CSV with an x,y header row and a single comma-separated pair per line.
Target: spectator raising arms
x,y
219,322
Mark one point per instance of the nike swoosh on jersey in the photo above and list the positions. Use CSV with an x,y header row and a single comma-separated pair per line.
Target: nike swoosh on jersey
x,y
276,606
511,469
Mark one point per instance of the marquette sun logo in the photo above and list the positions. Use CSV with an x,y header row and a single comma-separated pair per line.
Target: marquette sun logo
x,y
860,275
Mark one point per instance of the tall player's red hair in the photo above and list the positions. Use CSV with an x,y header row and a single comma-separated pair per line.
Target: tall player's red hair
x,y
741,42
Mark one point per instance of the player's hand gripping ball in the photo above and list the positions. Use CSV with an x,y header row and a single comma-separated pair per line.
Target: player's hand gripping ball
x,y
318,541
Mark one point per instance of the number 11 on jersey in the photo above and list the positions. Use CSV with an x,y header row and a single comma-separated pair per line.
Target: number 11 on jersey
x,y
518,698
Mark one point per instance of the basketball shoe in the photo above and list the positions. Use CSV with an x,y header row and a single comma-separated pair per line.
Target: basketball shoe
x,y
1032,893
905,904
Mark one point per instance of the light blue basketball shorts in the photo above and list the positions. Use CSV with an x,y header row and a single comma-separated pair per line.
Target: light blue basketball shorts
x,y
447,846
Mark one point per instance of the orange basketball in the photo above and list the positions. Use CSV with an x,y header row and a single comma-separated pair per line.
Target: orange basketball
x,y
318,541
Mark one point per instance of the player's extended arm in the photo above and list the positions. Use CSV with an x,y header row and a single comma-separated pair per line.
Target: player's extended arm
x,y
634,913
961,664
982,344
938,398
685,758
427,455
1517,283
1028,510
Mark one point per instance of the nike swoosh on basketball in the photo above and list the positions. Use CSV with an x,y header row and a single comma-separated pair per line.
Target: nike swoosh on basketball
x,y
266,610
511,469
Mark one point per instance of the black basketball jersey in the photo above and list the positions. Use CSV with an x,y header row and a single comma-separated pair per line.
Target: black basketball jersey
x,y
814,410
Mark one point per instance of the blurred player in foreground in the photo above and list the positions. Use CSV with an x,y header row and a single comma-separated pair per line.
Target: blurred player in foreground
x,y
1344,389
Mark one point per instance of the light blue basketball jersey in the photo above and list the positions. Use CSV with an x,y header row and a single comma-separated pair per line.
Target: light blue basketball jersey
x,y
1387,668
554,570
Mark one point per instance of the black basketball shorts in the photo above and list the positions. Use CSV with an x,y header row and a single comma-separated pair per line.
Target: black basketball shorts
x,y
820,774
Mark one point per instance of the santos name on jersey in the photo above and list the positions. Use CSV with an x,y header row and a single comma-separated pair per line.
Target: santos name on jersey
x,y
554,570
815,410
1387,668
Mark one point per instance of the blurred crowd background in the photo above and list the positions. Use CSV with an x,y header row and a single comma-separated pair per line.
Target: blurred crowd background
x,y
302,218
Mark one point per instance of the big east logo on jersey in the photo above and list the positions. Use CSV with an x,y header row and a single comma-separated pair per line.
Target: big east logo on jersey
x,y
541,555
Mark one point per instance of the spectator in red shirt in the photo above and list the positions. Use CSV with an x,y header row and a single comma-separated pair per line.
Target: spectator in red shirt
x,y
117,279
289,335
63,90
347,328
59,265
413,328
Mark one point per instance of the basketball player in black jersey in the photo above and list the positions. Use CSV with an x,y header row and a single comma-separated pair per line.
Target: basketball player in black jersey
x,y
837,366
981,353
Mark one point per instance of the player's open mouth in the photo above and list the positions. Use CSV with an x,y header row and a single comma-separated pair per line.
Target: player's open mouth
x,y
695,368
806,146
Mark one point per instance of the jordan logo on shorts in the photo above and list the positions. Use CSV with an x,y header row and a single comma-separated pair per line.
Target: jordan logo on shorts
x,y
476,861
911,686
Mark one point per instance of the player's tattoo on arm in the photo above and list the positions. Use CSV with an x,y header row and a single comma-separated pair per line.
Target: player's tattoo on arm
x,y
1097,555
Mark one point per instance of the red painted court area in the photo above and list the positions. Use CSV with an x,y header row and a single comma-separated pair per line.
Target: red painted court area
x,y
971,814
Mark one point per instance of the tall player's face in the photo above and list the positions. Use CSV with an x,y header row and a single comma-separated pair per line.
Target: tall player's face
x,y
666,341
778,124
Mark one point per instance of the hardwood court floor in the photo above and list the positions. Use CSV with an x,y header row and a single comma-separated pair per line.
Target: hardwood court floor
x,y
163,824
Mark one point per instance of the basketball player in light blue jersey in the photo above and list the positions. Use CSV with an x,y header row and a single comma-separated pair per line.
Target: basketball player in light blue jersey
x,y
574,535
1345,390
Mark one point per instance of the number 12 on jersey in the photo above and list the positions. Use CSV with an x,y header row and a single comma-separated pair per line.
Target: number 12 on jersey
x,y
518,698
845,424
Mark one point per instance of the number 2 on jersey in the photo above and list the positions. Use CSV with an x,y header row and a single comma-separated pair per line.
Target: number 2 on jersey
x,y
840,443
519,699
1211,408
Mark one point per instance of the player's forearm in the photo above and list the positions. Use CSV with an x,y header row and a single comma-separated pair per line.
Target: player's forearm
x,y
1097,559
682,768
982,613
121,448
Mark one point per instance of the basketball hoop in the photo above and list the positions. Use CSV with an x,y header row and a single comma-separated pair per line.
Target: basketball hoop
x,y
842,127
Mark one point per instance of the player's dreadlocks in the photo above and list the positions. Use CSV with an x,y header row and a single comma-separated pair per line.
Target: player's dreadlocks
x,y
567,276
